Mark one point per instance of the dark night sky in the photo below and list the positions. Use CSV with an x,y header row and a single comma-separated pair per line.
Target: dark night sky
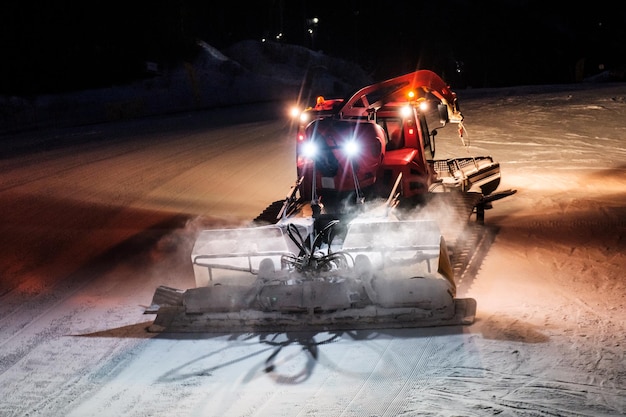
x,y
65,45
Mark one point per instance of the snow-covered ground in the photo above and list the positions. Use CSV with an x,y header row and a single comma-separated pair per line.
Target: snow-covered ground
x,y
94,218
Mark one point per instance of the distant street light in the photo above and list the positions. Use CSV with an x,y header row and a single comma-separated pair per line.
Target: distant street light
x,y
312,29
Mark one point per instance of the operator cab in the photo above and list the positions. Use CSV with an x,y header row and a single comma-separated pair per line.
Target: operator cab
x,y
406,127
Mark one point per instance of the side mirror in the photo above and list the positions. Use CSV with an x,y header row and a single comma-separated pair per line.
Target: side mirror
x,y
443,113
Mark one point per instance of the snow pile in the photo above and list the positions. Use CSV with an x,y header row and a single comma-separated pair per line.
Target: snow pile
x,y
249,72
300,67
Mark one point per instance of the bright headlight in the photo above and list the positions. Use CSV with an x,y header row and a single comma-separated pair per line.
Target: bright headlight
x,y
351,148
405,111
295,112
309,150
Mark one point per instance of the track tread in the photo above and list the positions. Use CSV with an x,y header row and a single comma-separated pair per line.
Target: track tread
x,y
268,216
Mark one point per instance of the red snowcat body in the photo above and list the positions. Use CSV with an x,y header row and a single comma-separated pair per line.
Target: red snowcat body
x,y
379,139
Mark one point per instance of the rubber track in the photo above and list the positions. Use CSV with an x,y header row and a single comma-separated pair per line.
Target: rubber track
x,y
470,245
469,253
268,216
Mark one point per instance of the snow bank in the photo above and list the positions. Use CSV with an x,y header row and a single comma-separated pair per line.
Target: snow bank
x,y
249,72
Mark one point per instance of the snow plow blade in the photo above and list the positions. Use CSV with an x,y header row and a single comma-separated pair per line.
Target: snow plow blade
x,y
382,274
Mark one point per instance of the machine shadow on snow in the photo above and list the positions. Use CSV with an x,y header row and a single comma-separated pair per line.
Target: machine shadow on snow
x,y
288,358
291,358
